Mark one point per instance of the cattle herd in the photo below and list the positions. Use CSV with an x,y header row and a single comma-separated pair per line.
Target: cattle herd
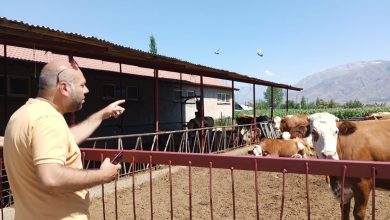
x,y
324,136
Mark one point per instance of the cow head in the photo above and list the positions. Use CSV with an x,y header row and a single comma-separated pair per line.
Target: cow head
x,y
277,121
257,150
324,135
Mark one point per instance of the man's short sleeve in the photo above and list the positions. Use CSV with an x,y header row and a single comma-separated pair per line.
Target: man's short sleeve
x,y
49,140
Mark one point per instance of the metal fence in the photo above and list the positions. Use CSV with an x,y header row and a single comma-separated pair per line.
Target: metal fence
x,y
306,167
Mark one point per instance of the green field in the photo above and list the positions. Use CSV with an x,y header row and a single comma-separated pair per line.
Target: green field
x,y
341,113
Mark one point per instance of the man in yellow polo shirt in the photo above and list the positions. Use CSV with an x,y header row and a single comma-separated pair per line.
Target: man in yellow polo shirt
x,y
41,153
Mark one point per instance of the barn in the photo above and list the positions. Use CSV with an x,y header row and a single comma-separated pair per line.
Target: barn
x,y
163,90
108,82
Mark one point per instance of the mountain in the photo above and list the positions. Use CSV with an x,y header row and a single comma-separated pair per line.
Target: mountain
x,y
366,81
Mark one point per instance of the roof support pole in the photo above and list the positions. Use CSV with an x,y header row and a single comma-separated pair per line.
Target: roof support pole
x,y
156,104
202,113
272,102
254,112
233,102
72,115
181,102
254,103
122,95
286,101
5,63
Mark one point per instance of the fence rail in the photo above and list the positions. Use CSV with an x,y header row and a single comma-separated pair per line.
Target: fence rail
x,y
306,167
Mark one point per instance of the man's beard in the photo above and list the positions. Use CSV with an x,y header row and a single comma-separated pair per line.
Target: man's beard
x,y
76,104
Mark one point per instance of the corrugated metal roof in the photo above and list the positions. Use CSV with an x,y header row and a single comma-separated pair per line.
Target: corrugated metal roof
x,y
33,55
21,34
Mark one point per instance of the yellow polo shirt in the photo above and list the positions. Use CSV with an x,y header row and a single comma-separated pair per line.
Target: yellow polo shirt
x,y
36,134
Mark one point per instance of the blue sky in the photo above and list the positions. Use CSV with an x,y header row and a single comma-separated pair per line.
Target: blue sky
x,y
298,37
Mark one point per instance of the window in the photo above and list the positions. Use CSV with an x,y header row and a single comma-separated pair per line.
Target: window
x,y
184,95
132,93
18,86
223,98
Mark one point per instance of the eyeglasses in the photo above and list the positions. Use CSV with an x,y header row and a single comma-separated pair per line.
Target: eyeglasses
x,y
74,65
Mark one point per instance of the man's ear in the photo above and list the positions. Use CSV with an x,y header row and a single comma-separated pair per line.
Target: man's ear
x,y
64,88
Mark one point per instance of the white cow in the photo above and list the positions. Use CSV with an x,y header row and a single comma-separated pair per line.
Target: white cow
x,y
324,132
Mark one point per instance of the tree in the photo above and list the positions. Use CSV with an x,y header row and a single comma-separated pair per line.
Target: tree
x,y
262,105
353,104
152,45
318,102
278,96
332,104
303,102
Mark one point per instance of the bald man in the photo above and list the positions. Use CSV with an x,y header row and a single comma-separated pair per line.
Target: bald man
x,y
41,153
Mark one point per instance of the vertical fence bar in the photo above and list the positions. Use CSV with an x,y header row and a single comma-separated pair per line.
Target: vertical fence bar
x,y
190,187
233,192
211,191
307,190
103,203
1,189
151,187
342,191
170,188
133,179
116,196
373,192
283,191
257,192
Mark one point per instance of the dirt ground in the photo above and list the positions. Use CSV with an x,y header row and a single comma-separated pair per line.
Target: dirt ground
x,y
322,203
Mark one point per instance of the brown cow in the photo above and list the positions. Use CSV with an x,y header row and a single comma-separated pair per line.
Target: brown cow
x,y
248,119
352,140
378,116
296,147
296,125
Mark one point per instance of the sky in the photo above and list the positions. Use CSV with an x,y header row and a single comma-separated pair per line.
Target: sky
x,y
297,37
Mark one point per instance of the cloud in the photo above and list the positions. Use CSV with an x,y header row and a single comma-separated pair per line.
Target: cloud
x,y
269,73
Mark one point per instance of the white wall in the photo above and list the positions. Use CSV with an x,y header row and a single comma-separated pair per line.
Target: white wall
x,y
212,107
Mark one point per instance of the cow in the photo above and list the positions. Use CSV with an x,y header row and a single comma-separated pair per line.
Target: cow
x,y
296,125
248,119
378,116
196,122
352,140
245,132
296,147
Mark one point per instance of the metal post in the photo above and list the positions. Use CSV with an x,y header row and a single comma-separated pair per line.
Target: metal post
x,y
272,102
233,103
286,101
5,87
254,113
254,103
121,86
156,104
181,103
202,113
72,114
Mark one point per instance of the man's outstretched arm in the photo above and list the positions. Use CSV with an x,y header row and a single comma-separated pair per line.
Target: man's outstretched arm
x,y
85,128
